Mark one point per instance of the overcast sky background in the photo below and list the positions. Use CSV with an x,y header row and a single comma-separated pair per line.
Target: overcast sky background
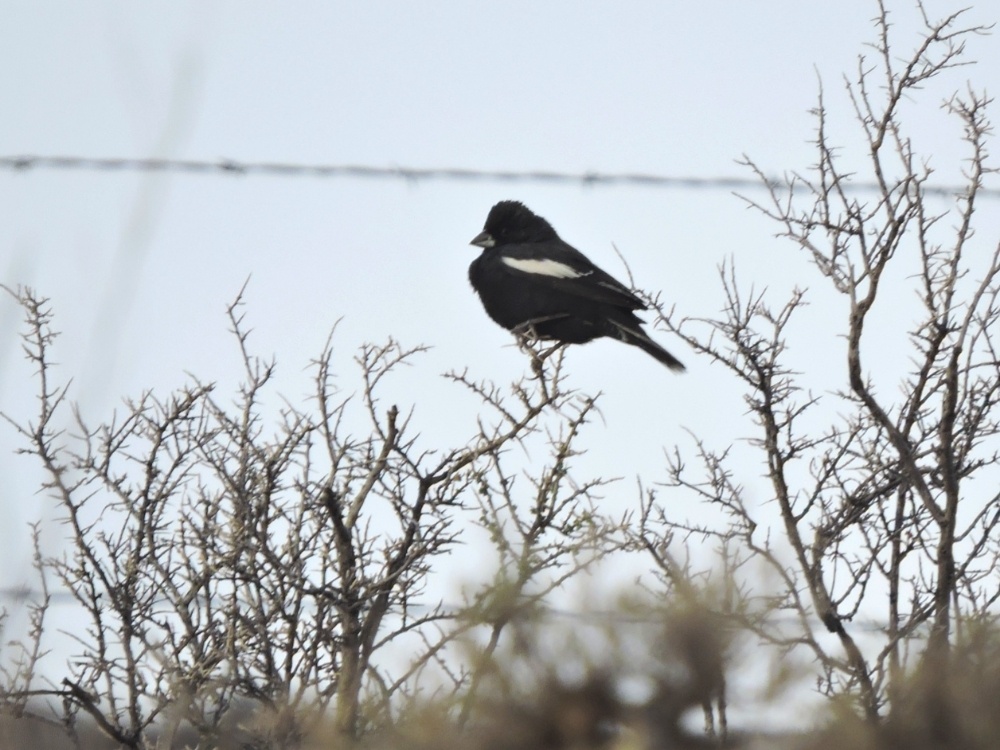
x,y
140,267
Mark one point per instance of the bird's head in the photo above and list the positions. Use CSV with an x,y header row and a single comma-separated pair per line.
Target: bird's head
x,y
511,222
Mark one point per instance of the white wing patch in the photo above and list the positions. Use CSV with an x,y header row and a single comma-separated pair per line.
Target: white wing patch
x,y
546,267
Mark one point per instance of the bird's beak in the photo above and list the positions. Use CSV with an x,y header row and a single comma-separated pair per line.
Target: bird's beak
x,y
483,239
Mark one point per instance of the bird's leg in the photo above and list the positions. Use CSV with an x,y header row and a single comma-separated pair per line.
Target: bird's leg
x,y
526,336
527,332
528,340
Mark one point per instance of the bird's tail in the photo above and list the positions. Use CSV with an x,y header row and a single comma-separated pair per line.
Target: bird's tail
x,y
634,335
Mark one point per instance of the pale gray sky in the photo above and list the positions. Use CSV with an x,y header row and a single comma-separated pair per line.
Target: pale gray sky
x,y
140,267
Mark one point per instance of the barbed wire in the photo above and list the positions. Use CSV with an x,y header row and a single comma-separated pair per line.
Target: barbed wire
x,y
421,174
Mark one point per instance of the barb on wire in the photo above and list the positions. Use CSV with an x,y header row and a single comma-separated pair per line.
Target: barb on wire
x,y
418,174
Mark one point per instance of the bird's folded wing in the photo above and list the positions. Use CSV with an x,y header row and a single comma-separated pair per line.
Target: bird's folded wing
x,y
574,275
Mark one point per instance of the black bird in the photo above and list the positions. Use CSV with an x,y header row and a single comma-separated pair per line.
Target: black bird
x,y
533,283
